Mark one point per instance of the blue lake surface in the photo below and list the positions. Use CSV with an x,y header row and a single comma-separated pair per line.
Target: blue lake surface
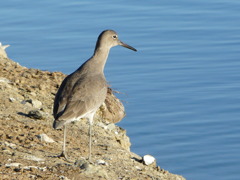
x,y
180,90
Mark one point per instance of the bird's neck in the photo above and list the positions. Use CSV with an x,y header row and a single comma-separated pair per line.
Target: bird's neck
x,y
99,58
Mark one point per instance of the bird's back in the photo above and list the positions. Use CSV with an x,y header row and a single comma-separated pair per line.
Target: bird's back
x,y
80,93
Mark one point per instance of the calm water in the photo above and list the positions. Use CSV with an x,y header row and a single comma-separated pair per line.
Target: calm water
x,y
181,89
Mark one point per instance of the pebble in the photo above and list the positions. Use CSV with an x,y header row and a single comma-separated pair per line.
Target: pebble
x,y
26,103
11,99
5,80
45,138
101,162
33,94
111,126
102,125
32,176
138,168
13,165
11,145
34,167
148,159
33,158
63,178
35,114
36,103
6,151
83,164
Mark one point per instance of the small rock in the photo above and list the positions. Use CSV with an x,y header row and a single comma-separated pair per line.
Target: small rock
x,y
12,165
32,176
111,126
35,114
11,145
42,87
17,169
33,94
33,158
23,102
11,99
101,162
4,80
6,151
29,168
97,171
158,168
102,125
138,168
148,159
45,138
63,178
26,103
83,164
36,104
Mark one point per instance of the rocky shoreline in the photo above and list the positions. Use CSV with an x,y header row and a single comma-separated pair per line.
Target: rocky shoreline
x,y
29,145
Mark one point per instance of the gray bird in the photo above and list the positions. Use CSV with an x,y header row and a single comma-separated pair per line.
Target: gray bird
x,y
82,92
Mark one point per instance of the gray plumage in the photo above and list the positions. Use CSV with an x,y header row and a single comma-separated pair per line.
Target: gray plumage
x,y
82,92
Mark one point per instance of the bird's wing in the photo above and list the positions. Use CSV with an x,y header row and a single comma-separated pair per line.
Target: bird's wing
x,y
61,97
86,95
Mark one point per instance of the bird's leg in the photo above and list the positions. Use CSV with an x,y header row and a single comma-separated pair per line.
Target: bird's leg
x,y
64,154
64,141
90,141
90,138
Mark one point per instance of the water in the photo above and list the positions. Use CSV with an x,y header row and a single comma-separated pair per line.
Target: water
x,y
181,89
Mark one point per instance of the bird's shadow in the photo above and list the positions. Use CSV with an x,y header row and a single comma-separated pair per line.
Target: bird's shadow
x,y
23,114
137,159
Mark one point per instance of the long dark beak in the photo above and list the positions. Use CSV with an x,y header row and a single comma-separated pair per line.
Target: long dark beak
x,y
126,46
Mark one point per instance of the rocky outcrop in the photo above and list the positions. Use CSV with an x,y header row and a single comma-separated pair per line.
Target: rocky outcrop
x,y
29,145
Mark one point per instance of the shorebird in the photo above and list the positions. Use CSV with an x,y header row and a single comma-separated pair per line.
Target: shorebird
x,y
82,92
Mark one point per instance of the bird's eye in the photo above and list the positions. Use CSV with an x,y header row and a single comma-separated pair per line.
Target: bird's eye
x,y
114,36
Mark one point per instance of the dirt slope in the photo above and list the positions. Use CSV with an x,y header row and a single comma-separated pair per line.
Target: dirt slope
x,y
26,99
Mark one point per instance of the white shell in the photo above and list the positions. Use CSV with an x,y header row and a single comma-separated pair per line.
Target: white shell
x,y
148,159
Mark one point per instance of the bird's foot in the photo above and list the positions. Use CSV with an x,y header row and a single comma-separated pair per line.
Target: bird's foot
x,y
64,155
90,161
